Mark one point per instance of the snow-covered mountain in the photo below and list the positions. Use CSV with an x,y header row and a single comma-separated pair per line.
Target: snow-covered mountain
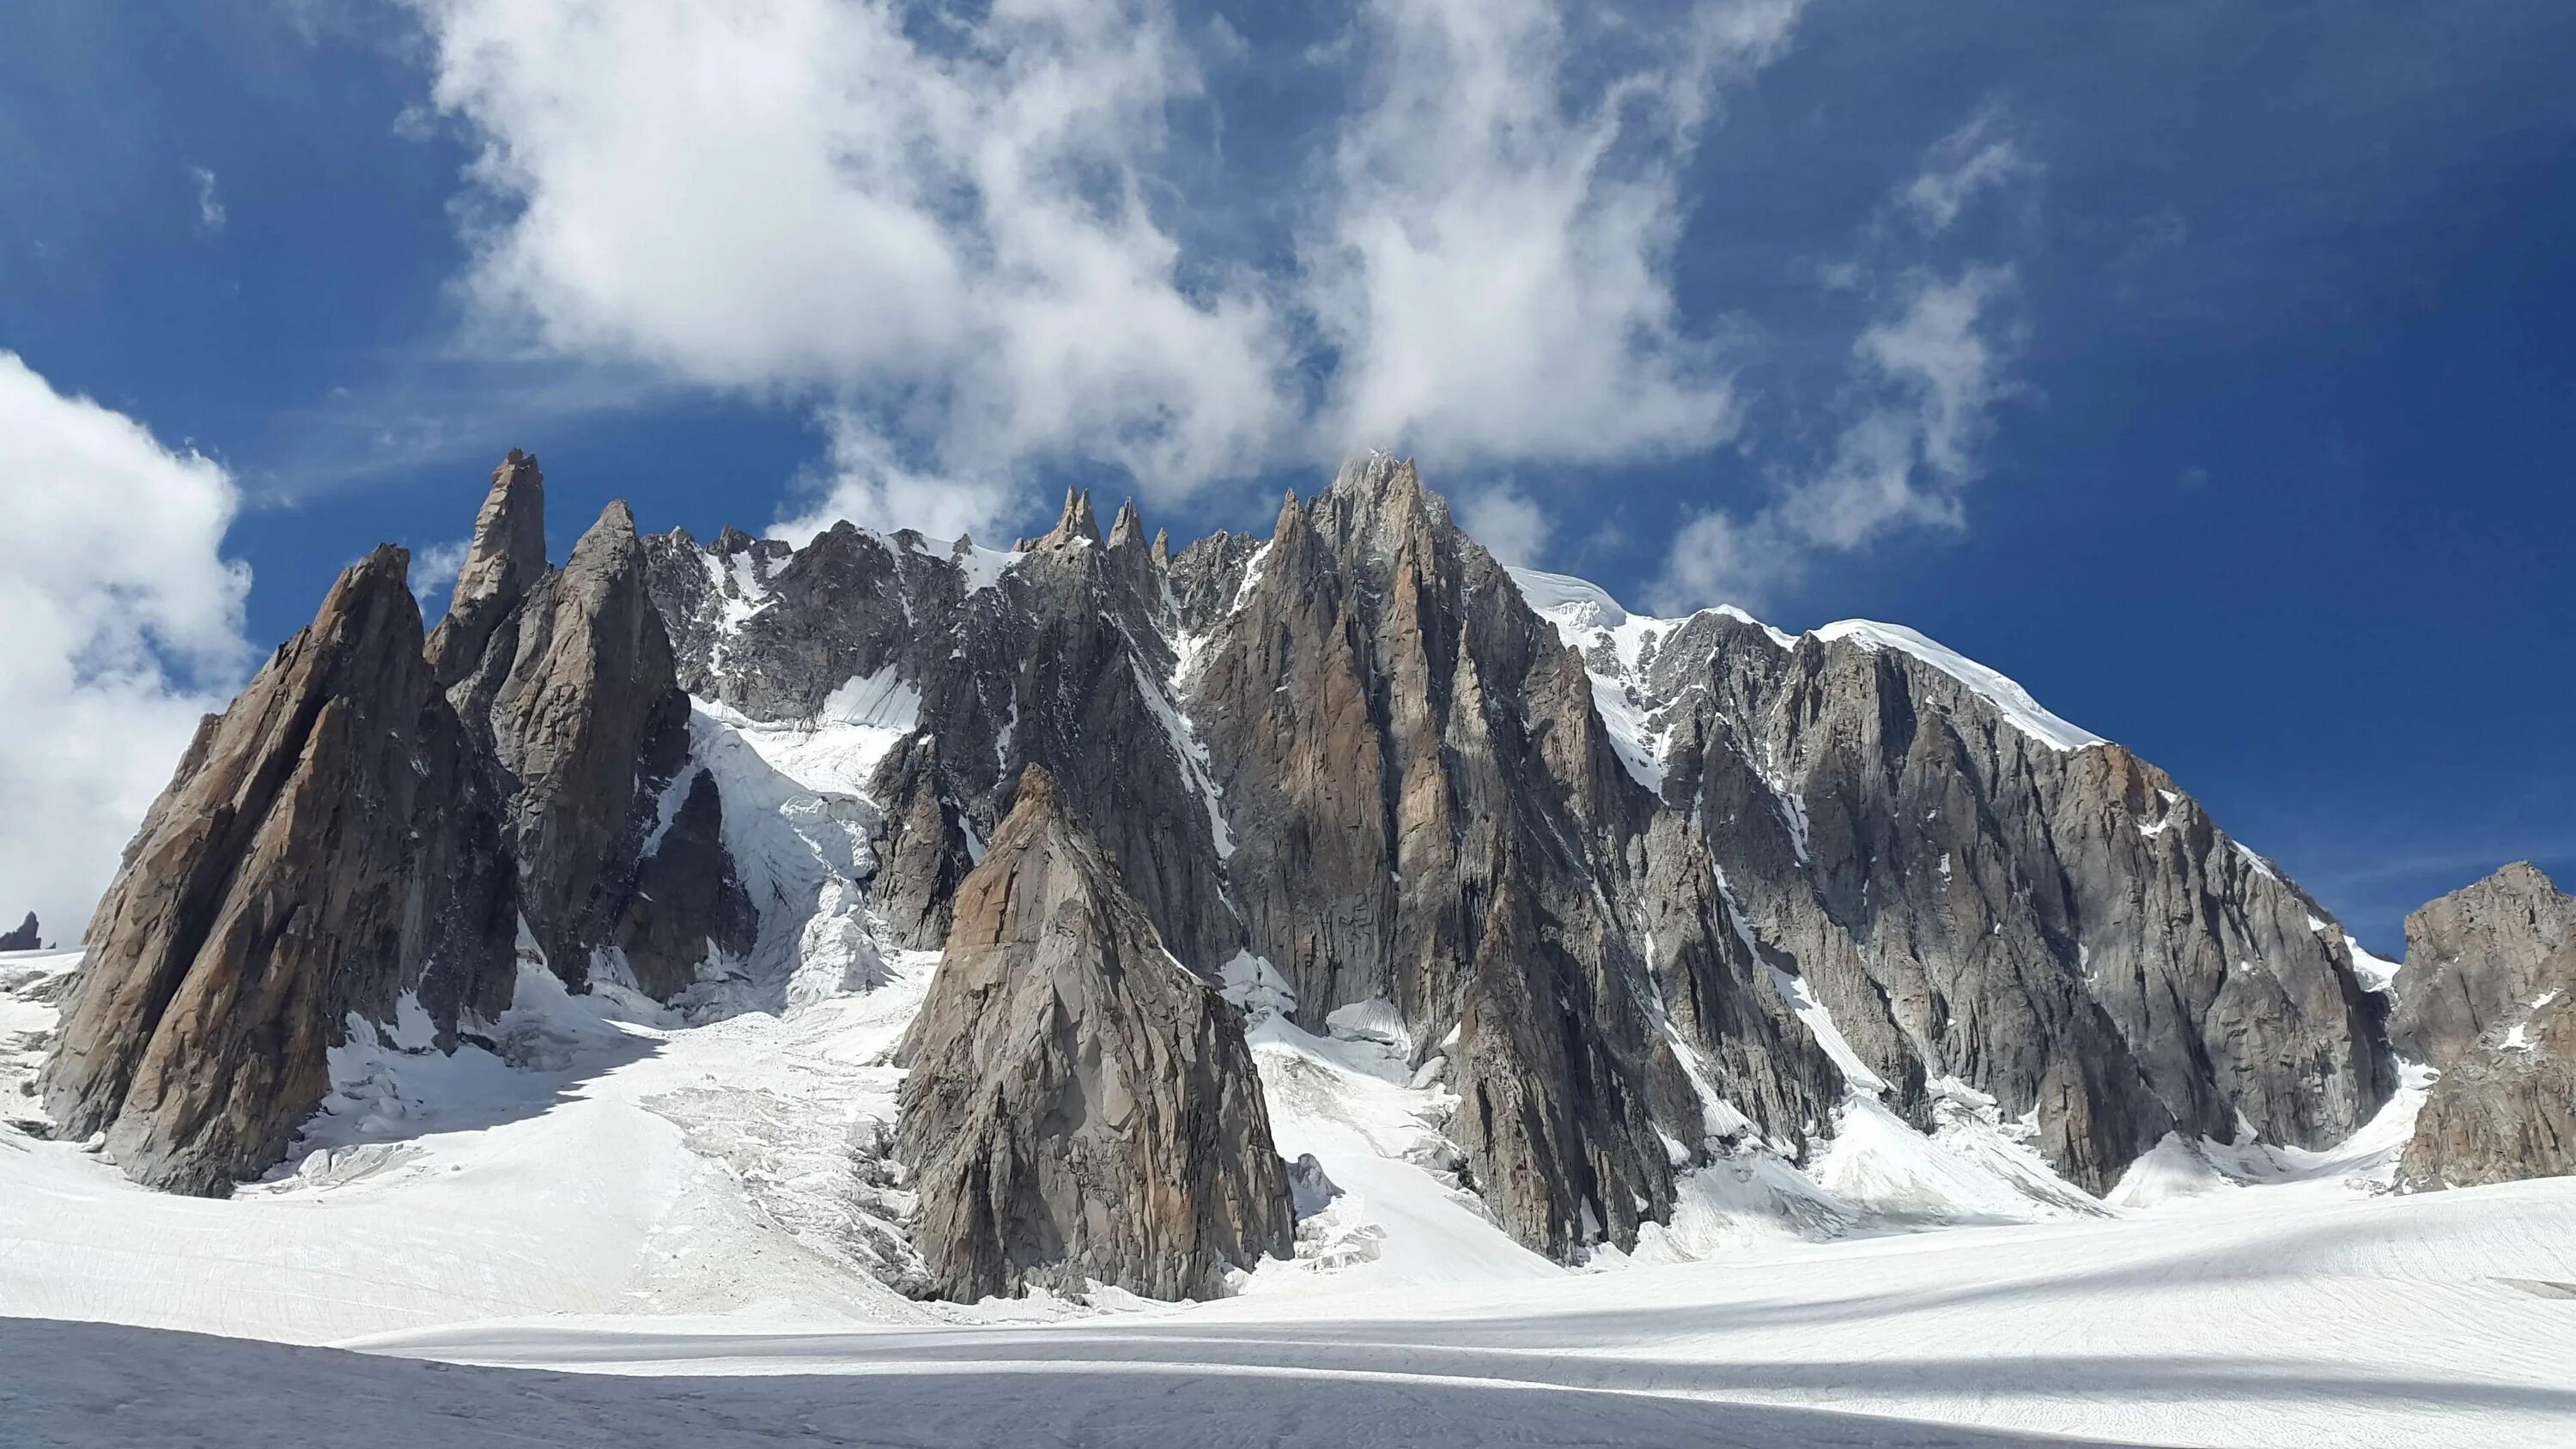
x,y
1624,937
721,958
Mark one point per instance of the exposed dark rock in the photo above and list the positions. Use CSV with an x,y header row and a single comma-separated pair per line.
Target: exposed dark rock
x,y
2061,927
1354,750
586,722
328,844
924,855
687,906
1080,1106
2488,997
2476,959
2503,1112
24,938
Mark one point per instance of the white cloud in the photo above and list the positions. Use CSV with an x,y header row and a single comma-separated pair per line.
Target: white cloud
x,y
942,223
210,211
1969,160
1924,381
868,484
1931,375
1493,265
1510,525
120,624
938,222
433,572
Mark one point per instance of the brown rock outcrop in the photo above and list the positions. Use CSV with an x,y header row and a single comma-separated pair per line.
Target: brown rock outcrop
x,y
328,844
506,559
2488,998
1080,1106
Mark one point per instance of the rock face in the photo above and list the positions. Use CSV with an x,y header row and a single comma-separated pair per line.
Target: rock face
x,y
687,901
1976,890
379,814
2488,998
1643,892
576,698
506,559
24,938
1080,1105
328,845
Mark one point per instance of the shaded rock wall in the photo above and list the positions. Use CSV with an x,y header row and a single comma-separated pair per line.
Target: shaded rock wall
x,y
328,844
1080,1106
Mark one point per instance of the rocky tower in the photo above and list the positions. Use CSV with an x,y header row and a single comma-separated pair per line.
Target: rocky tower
x,y
328,844
376,815
1080,1105
2488,998
587,724
566,679
506,559
24,938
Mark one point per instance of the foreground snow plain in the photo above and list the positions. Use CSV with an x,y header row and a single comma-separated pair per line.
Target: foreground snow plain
x,y
639,1236
633,1226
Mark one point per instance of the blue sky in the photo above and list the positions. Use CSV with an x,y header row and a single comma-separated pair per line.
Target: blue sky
x,y
2205,367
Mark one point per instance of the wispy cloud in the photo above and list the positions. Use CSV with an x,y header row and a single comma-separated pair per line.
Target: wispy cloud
x,y
865,481
1974,158
948,240
1507,521
433,573
1492,262
1923,381
210,208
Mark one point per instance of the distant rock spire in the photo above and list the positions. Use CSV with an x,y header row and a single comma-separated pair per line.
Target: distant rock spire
x,y
507,558
1076,522
24,938
1129,529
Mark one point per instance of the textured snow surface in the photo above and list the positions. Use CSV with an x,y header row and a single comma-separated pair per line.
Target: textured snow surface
x,y
1616,644
681,1212
2019,710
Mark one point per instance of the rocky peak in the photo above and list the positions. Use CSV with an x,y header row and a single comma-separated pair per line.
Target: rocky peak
x,y
1128,531
1077,523
506,559
587,721
24,938
328,845
2488,997
2475,956
1378,503
1079,1106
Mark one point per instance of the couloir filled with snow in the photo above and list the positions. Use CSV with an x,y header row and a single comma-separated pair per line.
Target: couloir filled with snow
x,y
692,1207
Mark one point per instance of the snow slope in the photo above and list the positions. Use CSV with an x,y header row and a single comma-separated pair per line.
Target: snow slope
x,y
1616,643
669,1201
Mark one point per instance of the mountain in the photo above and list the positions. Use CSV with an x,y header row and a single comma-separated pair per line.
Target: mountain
x,y
1616,900
2488,999
1079,1105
